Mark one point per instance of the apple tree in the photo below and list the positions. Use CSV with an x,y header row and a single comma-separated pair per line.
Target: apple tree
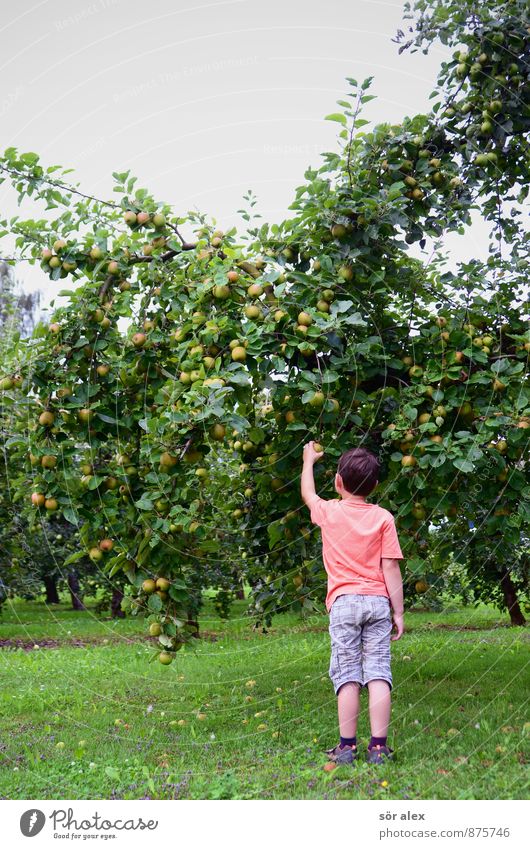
x,y
173,390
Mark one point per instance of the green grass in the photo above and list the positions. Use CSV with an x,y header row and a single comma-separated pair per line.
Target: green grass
x,y
460,704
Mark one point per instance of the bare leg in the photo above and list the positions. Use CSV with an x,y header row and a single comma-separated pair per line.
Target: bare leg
x,y
379,703
348,708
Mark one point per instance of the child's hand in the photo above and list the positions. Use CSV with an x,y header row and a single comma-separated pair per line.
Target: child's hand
x,y
399,625
310,454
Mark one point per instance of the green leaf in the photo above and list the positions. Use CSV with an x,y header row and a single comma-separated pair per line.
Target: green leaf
x,y
438,459
463,465
155,603
340,306
177,584
106,419
237,422
239,378
256,435
516,479
29,158
120,177
71,516
115,565
95,481
275,532
336,116
144,504
356,319
74,558
524,509
130,573
499,366
15,440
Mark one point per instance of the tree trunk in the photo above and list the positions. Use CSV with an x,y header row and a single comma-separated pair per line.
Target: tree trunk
x,y
510,600
115,604
193,623
73,586
240,591
50,585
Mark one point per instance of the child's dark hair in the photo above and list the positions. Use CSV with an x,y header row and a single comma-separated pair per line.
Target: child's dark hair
x,y
359,470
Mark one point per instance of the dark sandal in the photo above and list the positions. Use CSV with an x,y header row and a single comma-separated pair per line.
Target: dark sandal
x,y
379,754
347,755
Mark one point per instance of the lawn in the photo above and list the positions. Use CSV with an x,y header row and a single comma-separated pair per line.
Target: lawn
x,y
246,715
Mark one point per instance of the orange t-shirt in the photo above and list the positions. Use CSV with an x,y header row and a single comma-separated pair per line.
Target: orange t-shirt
x,y
355,536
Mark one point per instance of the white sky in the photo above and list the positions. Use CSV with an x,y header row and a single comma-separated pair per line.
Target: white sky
x,y
202,101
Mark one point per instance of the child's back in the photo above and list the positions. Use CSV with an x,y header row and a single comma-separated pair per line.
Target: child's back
x,y
360,550
356,536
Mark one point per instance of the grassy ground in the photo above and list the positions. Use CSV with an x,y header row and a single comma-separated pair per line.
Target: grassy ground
x,y
247,715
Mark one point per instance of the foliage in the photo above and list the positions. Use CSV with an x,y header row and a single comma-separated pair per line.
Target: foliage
x,y
175,389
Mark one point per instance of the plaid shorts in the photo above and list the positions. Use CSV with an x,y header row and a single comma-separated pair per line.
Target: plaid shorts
x,y
360,627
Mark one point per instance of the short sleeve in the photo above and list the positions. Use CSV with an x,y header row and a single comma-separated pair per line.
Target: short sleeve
x,y
390,547
317,507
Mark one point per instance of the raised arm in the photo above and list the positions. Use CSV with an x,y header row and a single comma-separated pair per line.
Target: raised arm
x,y
308,481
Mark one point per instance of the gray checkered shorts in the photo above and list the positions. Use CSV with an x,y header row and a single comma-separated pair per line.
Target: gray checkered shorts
x,y
360,627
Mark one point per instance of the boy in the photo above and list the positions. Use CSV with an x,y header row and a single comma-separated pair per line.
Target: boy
x,y
360,550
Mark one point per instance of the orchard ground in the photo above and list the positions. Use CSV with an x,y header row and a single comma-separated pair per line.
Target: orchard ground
x,y
247,715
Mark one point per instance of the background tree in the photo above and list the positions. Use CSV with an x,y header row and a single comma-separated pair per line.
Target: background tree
x,y
32,550
17,319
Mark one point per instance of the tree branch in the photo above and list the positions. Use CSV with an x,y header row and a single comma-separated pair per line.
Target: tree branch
x,y
56,184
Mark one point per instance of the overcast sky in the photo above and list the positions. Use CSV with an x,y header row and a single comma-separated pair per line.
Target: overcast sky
x,y
202,101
